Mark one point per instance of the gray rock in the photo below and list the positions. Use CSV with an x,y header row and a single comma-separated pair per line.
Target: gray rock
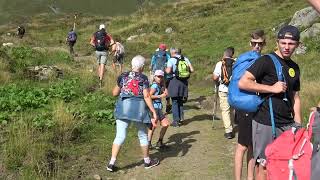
x,y
313,31
301,49
132,37
169,30
43,72
304,18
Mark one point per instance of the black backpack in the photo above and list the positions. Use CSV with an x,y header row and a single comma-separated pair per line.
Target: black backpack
x,y
101,41
161,61
226,70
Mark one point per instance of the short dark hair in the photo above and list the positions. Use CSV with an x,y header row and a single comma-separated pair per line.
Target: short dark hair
x,y
259,33
229,51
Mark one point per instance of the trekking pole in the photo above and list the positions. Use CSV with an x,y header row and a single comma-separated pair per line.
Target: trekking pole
x,y
215,102
74,24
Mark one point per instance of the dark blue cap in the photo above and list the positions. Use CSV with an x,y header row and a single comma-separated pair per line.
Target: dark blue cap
x,y
289,32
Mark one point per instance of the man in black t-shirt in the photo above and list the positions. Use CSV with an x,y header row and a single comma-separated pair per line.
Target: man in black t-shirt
x,y
261,77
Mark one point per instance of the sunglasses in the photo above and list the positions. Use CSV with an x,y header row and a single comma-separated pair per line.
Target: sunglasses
x,y
257,43
159,76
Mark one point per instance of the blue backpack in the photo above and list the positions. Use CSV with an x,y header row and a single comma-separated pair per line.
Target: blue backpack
x,y
241,99
161,60
72,36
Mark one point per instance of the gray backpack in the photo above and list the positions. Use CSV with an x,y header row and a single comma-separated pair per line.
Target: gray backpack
x,y
315,162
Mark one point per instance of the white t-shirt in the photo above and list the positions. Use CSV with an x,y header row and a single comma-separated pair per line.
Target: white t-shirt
x,y
217,72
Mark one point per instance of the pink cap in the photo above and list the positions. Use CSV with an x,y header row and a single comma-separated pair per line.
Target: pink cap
x,y
159,73
162,47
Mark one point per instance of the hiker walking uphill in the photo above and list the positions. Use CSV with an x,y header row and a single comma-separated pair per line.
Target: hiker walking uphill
x,y
244,119
222,73
157,92
21,31
180,68
118,56
101,41
277,78
133,106
159,61
71,40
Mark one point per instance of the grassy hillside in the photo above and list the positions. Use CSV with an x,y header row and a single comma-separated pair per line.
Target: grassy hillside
x,y
63,128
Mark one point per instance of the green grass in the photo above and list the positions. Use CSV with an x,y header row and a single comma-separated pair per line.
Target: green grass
x,y
67,133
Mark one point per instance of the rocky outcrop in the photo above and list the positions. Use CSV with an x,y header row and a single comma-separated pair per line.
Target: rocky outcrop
x,y
43,72
305,18
311,32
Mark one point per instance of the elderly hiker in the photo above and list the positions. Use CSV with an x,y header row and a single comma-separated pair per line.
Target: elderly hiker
x,y
244,119
222,74
282,95
157,92
133,106
101,41
180,68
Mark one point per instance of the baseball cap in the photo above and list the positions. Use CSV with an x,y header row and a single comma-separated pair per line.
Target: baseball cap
x,y
102,26
159,73
162,47
289,32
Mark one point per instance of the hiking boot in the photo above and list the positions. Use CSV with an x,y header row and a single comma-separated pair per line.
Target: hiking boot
x,y
175,124
169,109
160,145
228,135
153,163
111,167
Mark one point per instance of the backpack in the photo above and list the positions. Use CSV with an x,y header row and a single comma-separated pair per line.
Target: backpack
x,y
226,70
160,60
101,41
119,48
182,69
72,36
241,99
289,156
315,161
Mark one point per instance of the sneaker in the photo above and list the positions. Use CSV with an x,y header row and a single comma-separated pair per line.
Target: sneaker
x,y
111,168
175,124
228,135
153,163
160,145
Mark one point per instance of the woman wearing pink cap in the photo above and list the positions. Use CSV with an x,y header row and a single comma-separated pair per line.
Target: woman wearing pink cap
x,y
157,92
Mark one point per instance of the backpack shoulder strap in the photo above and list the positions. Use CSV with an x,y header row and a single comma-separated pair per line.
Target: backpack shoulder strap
x,y
278,66
280,76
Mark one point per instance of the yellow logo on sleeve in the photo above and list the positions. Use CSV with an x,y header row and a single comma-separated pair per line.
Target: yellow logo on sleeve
x,y
292,73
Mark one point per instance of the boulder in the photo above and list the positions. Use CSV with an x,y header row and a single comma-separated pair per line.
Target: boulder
x,y
304,18
169,30
313,31
43,72
302,49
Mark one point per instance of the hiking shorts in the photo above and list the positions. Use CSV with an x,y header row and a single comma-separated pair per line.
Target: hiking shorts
x,y
163,119
118,59
101,57
244,128
261,137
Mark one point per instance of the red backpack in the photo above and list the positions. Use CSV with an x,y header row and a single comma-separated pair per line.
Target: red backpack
x,y
289,156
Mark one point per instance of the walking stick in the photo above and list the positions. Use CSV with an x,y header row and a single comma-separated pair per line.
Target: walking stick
x,y
215,102
74,24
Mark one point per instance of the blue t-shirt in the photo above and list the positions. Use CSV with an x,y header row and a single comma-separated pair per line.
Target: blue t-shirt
x,y
157,104
173,61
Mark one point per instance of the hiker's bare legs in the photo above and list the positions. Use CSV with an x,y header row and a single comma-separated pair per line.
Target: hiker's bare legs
x,y
145,151
163,131
261,172
238,158
115,151
250,163
101,68
150,134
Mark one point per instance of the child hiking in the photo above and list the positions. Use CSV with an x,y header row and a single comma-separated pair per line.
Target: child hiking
x,y
157,93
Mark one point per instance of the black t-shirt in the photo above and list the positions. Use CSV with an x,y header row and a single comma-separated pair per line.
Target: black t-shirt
x,y
265,73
